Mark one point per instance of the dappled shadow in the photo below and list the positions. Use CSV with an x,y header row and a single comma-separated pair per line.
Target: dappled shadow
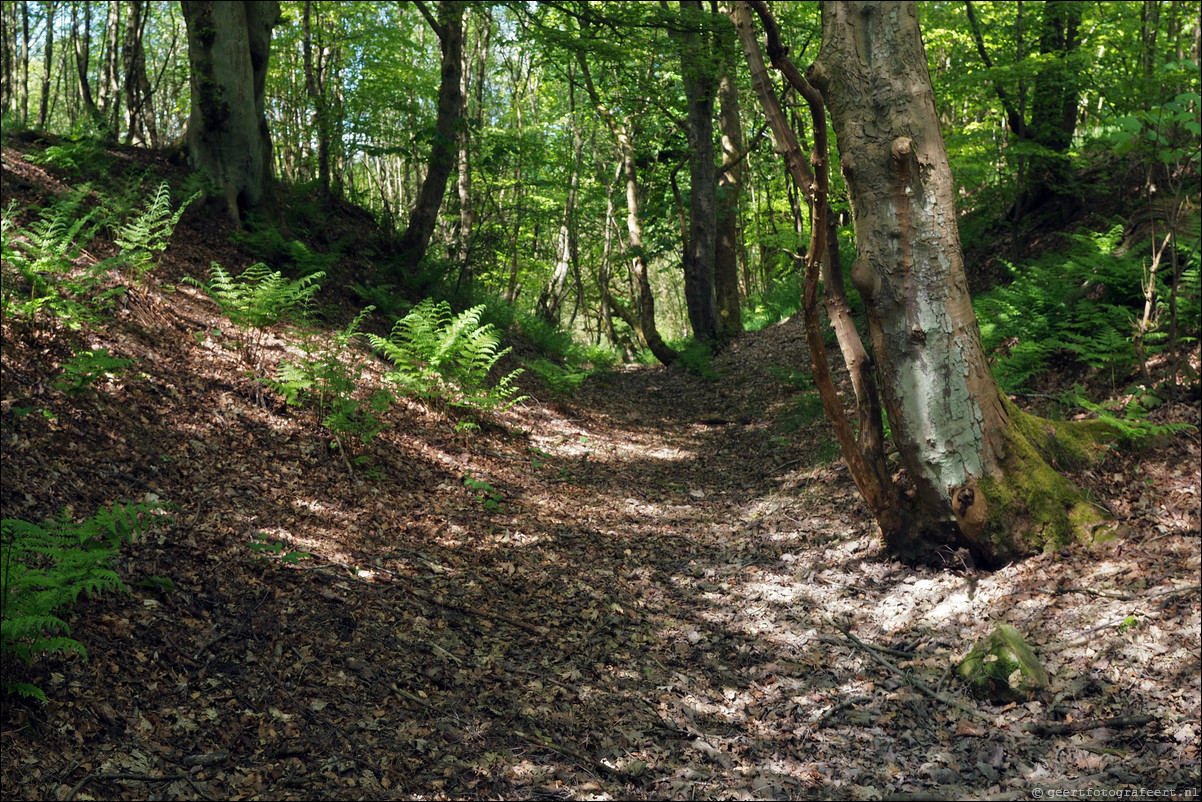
x,y
645,591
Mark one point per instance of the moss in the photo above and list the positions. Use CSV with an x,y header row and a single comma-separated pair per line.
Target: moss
x,y
1068,445
1003,668
1033,507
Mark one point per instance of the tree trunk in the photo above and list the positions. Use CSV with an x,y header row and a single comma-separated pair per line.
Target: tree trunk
x,y
315,90
473,70
139,99
864,455
700,78
974,459
555,290
82,41
443,152
642,320
229,44
730,186
8,55
25,62
109,100
1054,100
47,65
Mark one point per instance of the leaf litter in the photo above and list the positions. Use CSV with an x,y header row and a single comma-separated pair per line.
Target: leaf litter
x,y
668,590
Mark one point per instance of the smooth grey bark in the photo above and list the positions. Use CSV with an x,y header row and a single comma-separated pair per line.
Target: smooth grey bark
x,y
229,44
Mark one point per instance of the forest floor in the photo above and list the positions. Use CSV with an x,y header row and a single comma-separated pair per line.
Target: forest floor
x,y
664,586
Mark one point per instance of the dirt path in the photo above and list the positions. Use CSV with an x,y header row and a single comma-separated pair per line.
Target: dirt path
x,y
643,592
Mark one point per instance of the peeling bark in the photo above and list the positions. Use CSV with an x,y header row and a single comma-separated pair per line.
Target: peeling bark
x,y
954,430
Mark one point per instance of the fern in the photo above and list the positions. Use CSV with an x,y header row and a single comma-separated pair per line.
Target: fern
x,y
39,273
1131,421
325,381
43,571
257,299
147,234
439,354
1081,304
86,368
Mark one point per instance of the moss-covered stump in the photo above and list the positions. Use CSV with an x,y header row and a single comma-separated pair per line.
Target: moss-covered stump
x,y
1002,668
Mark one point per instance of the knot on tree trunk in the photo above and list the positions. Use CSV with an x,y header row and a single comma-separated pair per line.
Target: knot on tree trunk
x,y
971,511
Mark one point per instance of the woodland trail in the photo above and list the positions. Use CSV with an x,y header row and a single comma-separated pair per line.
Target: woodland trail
x,y
644,591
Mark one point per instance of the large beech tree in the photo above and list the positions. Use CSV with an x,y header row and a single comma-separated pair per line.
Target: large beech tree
x,y
978,466
228,48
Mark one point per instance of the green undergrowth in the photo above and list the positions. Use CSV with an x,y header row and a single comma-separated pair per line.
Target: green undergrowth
x,y
1084,304
46,567
49,277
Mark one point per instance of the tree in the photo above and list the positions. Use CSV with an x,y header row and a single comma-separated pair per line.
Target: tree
x,y
139,98
229,44
700,77
731,177
82,46
317,76
47,64
642,318
444,150
978,465
1054,97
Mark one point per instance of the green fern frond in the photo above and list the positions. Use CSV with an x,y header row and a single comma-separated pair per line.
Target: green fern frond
x,y
44,568
149,232
436,352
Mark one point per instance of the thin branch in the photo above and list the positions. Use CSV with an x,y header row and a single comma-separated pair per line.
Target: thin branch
x,y
429,18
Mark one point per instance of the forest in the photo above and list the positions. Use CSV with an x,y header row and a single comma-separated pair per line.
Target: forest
x,y
600,400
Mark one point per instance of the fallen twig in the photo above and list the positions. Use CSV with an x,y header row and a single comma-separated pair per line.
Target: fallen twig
x,y
129,776
1117,723
476,611
915,682
415,699
546,742
1108,594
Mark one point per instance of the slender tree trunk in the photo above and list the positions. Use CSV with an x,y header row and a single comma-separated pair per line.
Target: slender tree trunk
x,y
109,101
606,321
139,98
315,90
422,220
8,55
473,70
555,290
47,64
82,41
25,59
1055,96
730,186
864,455
642,320
699,73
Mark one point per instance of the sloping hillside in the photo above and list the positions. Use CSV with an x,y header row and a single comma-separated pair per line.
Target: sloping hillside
x,y
662,586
